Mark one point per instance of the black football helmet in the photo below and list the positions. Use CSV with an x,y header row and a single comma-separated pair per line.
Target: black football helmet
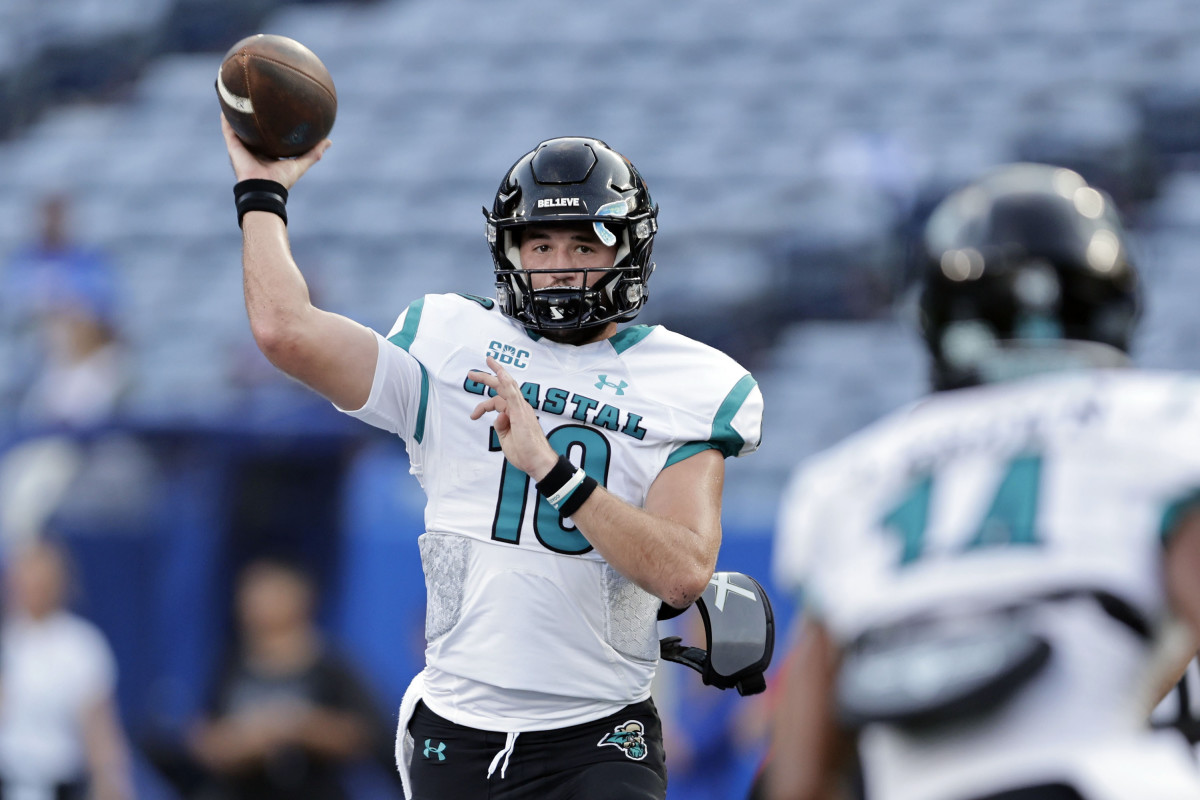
x,y
564,180
1026,270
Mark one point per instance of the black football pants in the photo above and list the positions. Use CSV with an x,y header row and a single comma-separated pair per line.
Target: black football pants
x,y
619,757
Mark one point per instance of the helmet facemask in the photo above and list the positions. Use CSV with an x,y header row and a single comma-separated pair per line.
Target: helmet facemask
x,y
606,294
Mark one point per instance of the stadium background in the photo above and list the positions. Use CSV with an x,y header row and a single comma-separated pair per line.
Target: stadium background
x,y
794,147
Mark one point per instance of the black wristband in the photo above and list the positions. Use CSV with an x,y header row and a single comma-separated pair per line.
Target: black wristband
x,y
257,194
574,500
557,477
566,486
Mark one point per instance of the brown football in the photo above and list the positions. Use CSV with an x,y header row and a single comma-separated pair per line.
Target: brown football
x,y
277,95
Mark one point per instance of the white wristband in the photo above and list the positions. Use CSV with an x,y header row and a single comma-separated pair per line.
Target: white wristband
x,y
571,485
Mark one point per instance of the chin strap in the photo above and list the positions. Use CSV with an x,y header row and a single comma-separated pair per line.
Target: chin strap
x,y
739,629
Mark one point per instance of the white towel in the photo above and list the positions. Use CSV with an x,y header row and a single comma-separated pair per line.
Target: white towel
x,y
404,740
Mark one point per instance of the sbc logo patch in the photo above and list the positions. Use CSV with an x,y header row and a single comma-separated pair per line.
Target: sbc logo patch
x,y
628,737
508,355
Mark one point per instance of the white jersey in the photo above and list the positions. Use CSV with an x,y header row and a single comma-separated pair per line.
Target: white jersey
x,y
527,627
978,499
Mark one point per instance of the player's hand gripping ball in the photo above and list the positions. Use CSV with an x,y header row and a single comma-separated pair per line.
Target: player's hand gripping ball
x,y
277,95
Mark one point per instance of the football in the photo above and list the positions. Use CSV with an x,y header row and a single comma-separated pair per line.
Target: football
x,y
277,95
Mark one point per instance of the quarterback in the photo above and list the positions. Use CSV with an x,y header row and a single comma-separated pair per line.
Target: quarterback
x,y
573,471
989,574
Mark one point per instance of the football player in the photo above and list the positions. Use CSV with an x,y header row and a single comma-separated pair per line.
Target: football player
x,y
573,470
988,574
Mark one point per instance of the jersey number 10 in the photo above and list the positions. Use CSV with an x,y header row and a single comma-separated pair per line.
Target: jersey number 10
x,y
547,525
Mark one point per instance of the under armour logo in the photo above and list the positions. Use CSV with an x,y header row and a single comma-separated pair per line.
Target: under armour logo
x,y
604,381
439,751
724,587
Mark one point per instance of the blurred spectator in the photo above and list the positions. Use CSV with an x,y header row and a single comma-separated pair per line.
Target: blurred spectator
x,y
59,304
286,715
60,736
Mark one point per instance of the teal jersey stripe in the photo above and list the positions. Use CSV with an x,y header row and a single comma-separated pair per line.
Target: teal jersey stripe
x,y
404,338
624,339
419,428
1175,513
688,450
724,437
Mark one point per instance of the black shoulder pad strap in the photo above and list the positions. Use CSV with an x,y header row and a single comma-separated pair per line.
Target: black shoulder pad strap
x,y
739,626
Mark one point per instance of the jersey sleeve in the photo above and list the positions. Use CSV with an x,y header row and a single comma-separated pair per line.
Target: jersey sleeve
x,y
797,536
736,425
400,388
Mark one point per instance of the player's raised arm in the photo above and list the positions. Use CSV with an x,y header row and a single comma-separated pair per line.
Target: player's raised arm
x,y
333,355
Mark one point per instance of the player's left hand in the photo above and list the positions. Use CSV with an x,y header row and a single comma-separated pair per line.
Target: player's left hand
x,y
521,436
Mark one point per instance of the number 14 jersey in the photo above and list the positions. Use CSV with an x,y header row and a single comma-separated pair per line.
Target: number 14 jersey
x,y
1041,494
527,627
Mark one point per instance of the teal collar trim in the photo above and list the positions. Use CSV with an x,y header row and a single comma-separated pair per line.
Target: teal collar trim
x,y
486,302
626,338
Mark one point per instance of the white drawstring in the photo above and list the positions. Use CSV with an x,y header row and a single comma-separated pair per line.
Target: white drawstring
x,y
509,744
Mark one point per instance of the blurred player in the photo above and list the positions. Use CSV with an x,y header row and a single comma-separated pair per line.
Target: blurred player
x,y
573,472
988,572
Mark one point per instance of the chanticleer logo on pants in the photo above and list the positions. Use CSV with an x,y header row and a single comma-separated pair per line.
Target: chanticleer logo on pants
x,y
628,737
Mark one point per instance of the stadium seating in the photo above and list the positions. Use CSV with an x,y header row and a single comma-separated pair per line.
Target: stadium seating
x,y
787,148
